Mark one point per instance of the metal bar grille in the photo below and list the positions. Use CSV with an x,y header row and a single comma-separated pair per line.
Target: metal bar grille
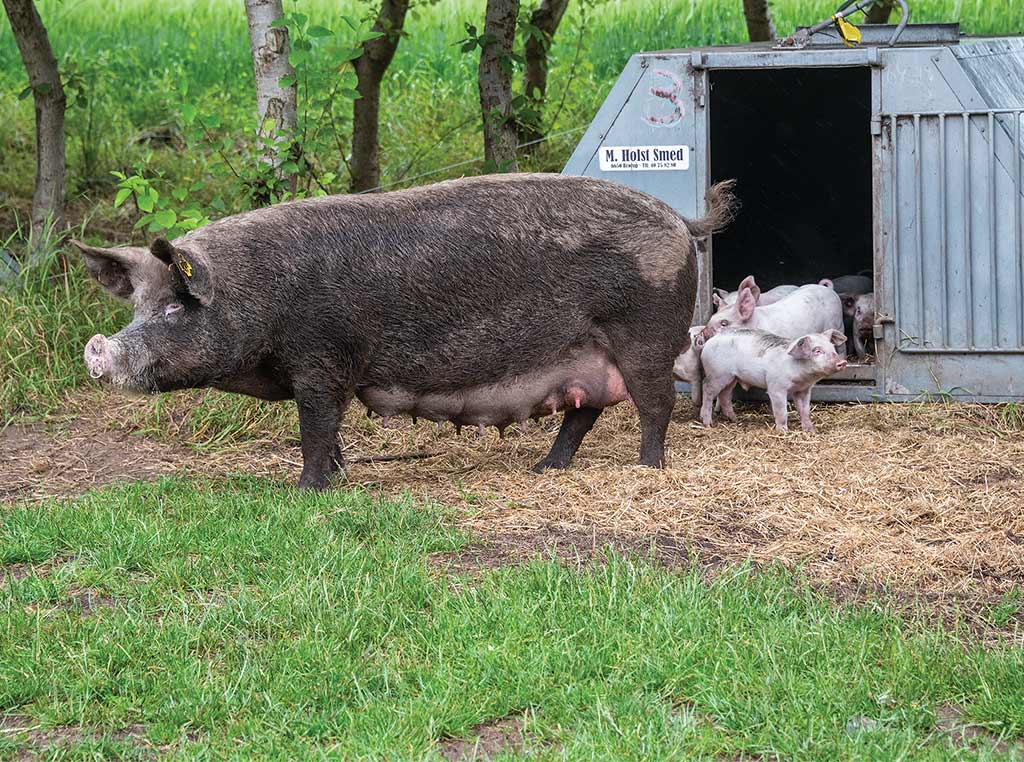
x,y
958,279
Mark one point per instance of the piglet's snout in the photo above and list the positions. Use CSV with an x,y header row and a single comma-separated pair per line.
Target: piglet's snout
x,y
840,364
97,356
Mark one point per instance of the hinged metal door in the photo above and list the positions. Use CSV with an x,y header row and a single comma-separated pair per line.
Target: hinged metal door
x,y
951,304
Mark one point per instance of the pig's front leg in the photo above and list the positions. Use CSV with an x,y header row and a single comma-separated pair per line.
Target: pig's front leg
x,y
319,412
803,407
777,395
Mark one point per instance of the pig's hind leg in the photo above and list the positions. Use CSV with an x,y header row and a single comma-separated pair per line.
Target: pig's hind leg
x,y
649,383
575,424
725,400
713,386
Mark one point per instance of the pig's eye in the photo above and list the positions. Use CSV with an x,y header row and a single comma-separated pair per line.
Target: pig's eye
x,y
171,308
723,323
817,351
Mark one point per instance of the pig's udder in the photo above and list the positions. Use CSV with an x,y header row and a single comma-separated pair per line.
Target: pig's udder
x,y
587,378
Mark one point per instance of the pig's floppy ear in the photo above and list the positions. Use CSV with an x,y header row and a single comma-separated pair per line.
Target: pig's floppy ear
x,y
717,300
111,267
800,348
836,337
192,268
746,302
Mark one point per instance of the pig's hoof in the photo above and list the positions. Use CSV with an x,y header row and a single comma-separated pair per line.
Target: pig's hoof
x,y
549,463
320,482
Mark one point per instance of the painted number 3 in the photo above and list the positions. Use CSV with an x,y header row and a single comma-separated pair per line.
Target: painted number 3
x,y
671,94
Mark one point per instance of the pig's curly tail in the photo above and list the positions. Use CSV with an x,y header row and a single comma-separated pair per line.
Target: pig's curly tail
x,y
721,205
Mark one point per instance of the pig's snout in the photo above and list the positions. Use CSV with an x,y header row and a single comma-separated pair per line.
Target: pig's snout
x,y
97,356
840,364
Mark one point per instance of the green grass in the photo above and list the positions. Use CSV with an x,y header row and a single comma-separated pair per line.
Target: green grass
x,y
48,315
262,623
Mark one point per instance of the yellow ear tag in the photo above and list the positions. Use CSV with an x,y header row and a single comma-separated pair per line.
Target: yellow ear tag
x,y
185,266
849,33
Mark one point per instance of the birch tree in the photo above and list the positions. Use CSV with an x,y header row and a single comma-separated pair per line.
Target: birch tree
x,y
275,77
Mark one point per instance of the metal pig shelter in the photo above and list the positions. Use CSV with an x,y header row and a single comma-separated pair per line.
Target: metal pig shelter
x,y
903,160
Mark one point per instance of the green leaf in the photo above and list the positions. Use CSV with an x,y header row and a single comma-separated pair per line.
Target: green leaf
x,y
279,22
179,194
43,88
300,18
298,57
286,82
211,122
25,93
188,113
348,92
121,196
165,218
145,202
319,31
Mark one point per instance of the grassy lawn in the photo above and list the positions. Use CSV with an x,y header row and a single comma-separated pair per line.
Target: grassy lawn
x,y
238,619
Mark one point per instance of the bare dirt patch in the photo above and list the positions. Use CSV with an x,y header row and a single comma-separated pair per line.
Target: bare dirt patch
x,y
36,740
486,741
950,720
70,458
916,499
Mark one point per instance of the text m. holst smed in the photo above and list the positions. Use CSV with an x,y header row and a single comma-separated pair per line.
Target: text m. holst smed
x,y
645,154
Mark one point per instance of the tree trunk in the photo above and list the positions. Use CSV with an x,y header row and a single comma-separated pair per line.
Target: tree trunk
x,y
494,79
370,68
879,12
48,94
759,20
535,53
275,105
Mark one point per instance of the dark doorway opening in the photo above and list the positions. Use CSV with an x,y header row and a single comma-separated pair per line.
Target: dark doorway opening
x,y
798,143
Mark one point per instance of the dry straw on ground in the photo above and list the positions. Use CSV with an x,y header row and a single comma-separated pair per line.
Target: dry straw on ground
x,y
916,498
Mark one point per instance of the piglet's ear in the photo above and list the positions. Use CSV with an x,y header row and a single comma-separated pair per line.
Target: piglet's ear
x,y
750,283
826,283
717,300
112,268
800,348
191,268
836,337
745,303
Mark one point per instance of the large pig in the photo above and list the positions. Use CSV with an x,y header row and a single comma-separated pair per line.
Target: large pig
x,y
810,309
480,301
785,367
